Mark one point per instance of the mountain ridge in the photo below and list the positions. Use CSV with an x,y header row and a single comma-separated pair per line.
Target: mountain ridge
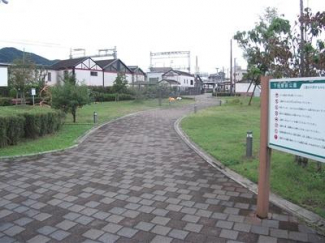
x,y
9,54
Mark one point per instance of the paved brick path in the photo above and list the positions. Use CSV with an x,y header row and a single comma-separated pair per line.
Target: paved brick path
x,y
133,181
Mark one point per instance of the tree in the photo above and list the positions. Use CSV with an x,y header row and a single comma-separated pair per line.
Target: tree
x,y
267,47
120,85
68,96
274,48
21,75
313,48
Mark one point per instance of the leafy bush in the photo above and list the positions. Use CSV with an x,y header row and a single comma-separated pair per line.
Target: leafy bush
x,y
101,97
28,125
5,101
100,89
40,124
11,129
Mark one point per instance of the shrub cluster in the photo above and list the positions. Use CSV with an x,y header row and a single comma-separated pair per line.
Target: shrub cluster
x,y
28,125
5,101
101,97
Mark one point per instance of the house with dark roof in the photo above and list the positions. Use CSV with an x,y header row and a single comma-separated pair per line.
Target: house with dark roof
x,y
111,68
85,69
185,80
156,73
138,75
169,82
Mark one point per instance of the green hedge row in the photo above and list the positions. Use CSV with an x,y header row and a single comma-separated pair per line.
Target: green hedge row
x,y
28,125
8,101
101,97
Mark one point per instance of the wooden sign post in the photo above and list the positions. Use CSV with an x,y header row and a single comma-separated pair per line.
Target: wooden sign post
x,y
265,153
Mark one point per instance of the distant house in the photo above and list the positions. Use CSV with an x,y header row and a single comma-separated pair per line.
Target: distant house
x,y
169,83
186,80
156,74
138,75
111,68
85,69
3,75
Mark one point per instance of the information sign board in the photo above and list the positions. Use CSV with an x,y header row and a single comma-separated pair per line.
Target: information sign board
x,y
297,116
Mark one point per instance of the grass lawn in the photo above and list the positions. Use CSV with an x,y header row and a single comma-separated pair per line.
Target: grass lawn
x,y
71,131
221,131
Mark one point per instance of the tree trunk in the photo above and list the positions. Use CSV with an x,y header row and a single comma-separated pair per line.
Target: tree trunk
x,y
74,114
250,100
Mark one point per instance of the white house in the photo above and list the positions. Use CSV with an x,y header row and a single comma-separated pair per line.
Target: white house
x,y
185,79
111,68
156,74
3,75
85,69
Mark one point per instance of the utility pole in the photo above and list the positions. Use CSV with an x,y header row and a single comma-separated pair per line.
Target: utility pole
x,y
230,67
302,58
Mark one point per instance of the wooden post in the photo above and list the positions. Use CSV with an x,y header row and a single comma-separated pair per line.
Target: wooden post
x,y
265,154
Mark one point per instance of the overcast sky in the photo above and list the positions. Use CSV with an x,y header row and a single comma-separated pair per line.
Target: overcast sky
x,y
51,27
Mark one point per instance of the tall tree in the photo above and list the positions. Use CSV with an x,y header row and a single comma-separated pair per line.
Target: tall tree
x,y
22,75
273,47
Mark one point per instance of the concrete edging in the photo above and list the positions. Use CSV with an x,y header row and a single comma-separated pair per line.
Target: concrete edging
x,y
77,142
302,213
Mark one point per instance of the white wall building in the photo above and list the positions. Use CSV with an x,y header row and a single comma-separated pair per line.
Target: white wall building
x,y
246,88
156,74
85,69
185,79
3,75
111,68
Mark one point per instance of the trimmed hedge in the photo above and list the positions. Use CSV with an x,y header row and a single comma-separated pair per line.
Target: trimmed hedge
x,y
101,97
28,125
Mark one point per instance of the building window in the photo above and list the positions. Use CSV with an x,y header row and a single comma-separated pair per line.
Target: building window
x,y
49,77
191,82
93,74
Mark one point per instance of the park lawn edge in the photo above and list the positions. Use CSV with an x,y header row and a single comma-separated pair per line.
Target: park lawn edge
x,y
249,170
13,152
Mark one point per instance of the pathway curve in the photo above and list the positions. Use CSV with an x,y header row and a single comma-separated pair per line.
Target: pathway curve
x,y
134,180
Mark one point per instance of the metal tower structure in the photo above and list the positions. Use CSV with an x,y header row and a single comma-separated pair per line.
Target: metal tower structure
x,y
101,53
170,55
107,53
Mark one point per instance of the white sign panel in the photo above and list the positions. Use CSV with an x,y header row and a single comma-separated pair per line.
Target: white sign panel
x,y
297,116
33,91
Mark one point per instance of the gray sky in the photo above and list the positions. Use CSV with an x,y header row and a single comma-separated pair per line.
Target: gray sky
x,y
204,27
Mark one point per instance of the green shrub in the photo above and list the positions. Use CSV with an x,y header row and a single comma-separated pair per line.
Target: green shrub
x,y
31,124
101,97
40,124
11,129
100,89
15,129
5,101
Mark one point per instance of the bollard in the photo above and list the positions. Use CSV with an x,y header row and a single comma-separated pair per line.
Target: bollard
x,y
249,144
95,117
220,102
195,108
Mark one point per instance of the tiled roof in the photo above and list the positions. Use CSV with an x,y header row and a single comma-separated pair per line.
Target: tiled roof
x,y
170,81
104,63
69,63
180,73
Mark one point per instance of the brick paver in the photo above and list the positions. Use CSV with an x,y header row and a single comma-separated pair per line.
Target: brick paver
x,y
134,180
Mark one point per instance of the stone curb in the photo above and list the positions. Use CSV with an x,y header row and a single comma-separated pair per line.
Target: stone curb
x,y
78,141
304,214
